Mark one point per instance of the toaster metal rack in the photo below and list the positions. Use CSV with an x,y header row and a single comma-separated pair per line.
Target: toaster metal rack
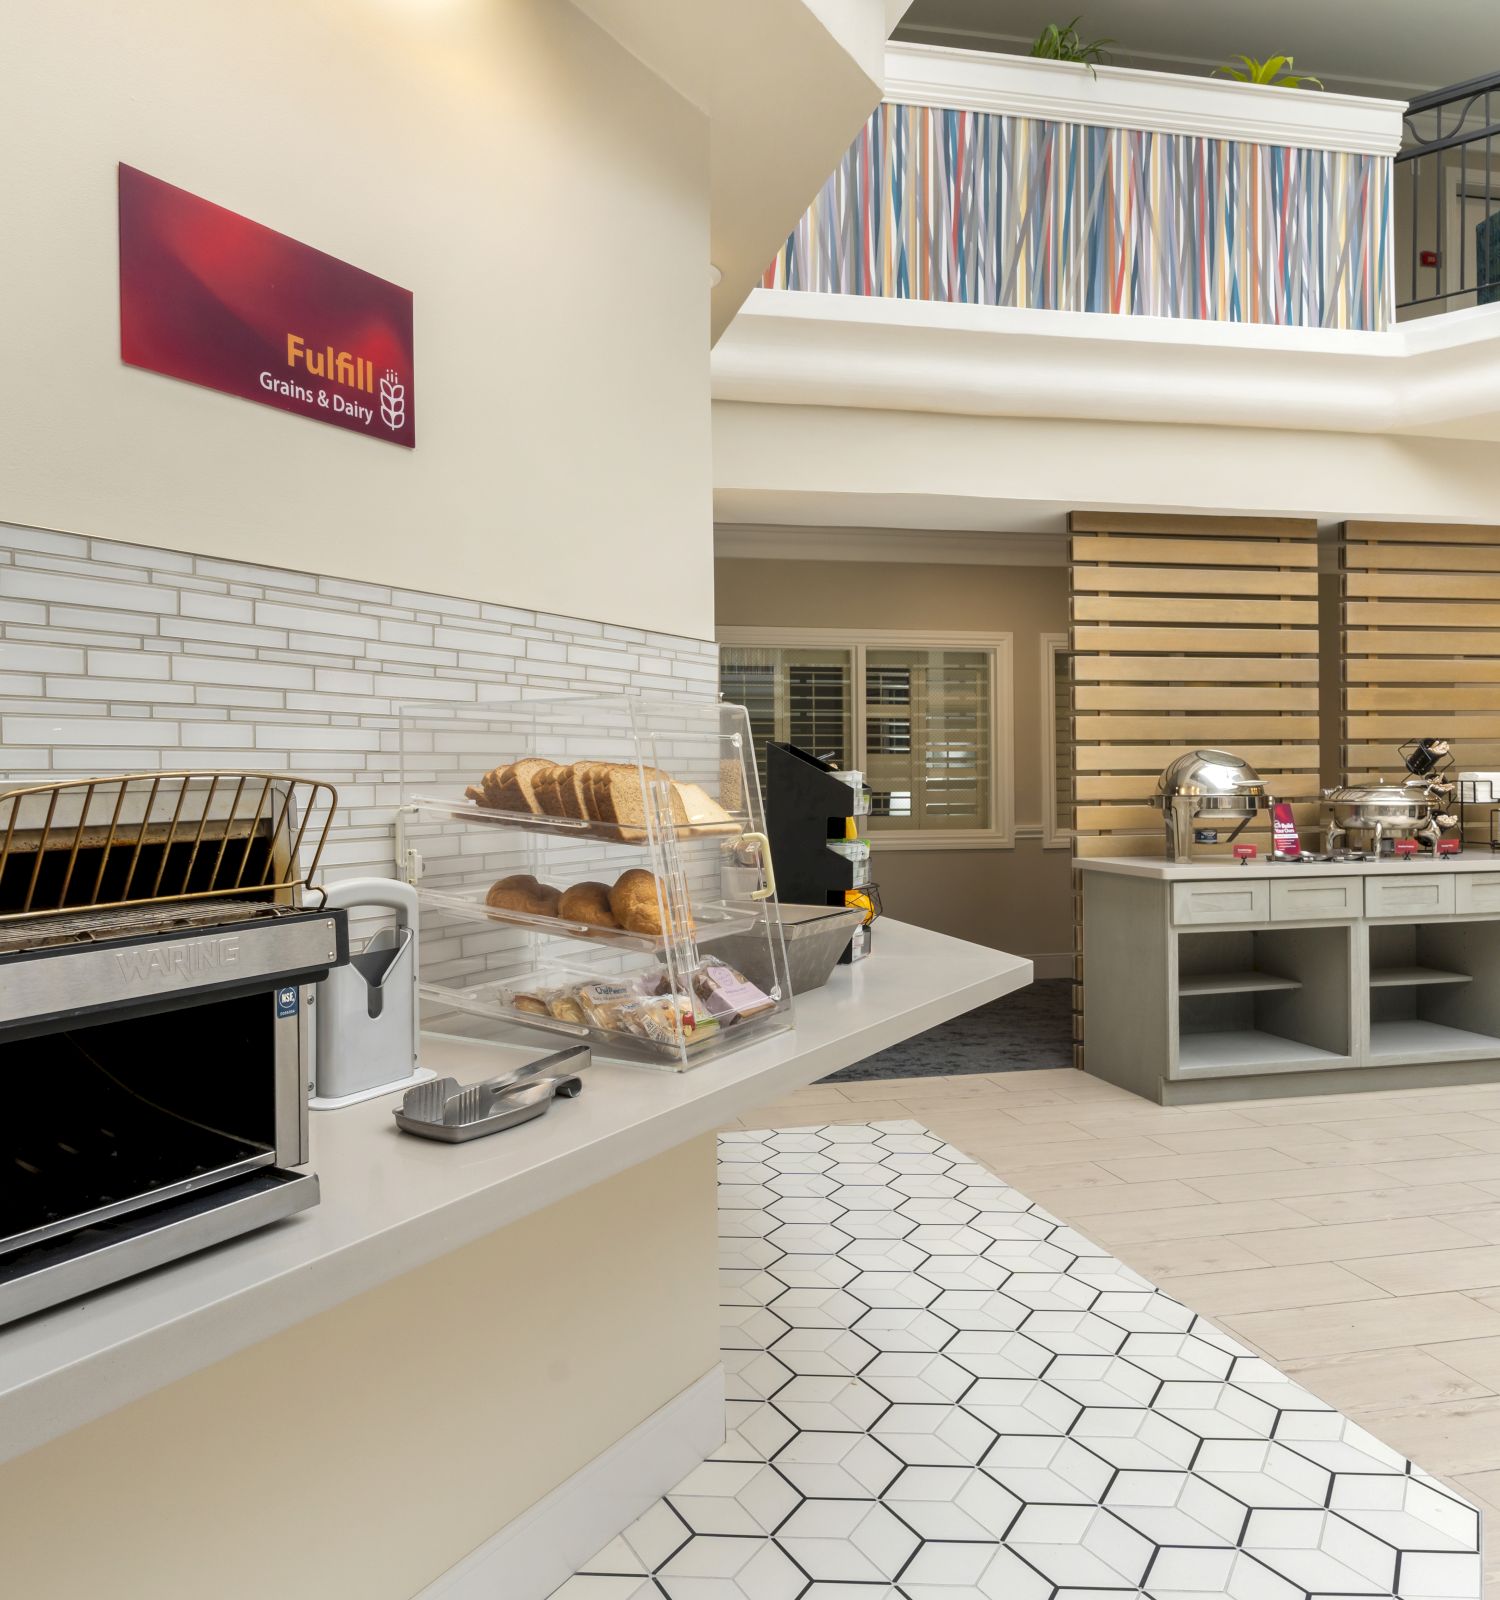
x,y
153,957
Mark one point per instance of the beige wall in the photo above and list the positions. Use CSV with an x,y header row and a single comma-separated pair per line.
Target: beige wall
x,y
1018,899
541,193
364,1451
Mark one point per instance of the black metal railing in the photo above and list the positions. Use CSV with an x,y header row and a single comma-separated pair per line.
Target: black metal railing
x,y
1447,200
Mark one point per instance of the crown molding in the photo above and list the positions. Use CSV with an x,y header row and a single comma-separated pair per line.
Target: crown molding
x,y
1128,97
1438,375
764,542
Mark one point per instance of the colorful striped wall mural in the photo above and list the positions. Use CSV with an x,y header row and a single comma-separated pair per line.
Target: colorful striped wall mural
x,y
1015,211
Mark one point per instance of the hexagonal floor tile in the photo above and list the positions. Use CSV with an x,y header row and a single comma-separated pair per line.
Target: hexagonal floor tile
x,y
952,1503
810,1184
1081,1546
1176,1508
1176,1355
753,1374
963,1272
938,1211
1139,1439
749,1327
934,1436
917,1377
755,1431
746,1251
748,1286
1215,1575
746,1172
848,1541
1020,1405
587,1586
800,1269
830,1404
1261,1379
1321,1552
807,1238
1074,1333
1026,1254
1144,1313
883,1255
651,1538
711,1567
1404,1512
893,1291
997,1355
818,1308
948,1239
867,1197
1106,1275
805,1142
1102,1381
1011,1225
823,1352
924,1185
838,1466
1259,1472
1336,1443
751,1224
1059,1470
734,1497
1215,1410
978,1310
803,1161
910,1138
861,1174
1049,1291
1075,1243
925,1161
889,1329
876,1225
744,1196
972,1572
803,1208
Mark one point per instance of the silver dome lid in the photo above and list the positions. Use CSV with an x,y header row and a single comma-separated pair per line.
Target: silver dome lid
x,y
1211,774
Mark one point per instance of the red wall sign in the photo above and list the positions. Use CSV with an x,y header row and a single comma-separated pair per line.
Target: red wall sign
x,y
208,296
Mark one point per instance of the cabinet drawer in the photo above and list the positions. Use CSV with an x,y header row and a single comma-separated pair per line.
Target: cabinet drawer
x,y
1405,894
1477,891
1220,901
1314,899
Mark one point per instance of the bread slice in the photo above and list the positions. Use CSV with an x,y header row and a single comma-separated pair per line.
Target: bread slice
x,y
574,795
547,786
704,813
624,799
492,786
518,785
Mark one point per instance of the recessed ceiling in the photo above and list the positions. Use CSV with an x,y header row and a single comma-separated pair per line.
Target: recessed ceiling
x,y
1382,47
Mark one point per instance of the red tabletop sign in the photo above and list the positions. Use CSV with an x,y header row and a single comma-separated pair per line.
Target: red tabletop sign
x,y
212,298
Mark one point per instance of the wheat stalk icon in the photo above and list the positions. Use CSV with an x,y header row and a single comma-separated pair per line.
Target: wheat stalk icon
x,y
392,400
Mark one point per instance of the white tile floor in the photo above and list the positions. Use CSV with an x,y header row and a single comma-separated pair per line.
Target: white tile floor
x,y
940,1392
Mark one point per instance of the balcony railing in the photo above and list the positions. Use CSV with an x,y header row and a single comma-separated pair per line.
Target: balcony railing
x,y
1448,200
1130,193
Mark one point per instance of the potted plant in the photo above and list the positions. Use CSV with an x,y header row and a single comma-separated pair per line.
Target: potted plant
x,y
1064,43
1275,70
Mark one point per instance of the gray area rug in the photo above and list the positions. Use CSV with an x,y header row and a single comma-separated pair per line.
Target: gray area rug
x,y
1026,1030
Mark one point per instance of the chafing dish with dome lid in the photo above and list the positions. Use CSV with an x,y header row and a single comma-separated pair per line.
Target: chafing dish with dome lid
x,y
1205,791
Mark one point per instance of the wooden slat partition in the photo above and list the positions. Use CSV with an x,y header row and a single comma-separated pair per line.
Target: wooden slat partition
x,y
1420,643
1187,631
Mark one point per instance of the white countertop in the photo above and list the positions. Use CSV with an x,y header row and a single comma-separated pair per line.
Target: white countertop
x,y
391,1202
1472,860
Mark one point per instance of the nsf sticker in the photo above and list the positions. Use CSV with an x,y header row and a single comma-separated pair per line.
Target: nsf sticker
x,y
287,1000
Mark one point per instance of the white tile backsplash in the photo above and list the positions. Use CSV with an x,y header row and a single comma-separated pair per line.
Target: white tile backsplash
x,y
118,658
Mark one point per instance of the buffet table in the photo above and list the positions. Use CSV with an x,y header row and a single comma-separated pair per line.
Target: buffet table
x,y
467,1326
1211,981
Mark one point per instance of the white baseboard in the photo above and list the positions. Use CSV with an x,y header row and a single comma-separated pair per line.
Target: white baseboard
x,y
528,1558
1052,966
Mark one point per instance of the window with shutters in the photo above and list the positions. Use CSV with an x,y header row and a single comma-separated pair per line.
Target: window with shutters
x,y
1057,742
925,718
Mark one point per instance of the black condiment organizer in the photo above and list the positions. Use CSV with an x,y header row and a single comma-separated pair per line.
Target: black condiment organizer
x,y
806,810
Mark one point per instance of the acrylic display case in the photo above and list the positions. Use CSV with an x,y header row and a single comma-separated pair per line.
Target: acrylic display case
x,y
576,858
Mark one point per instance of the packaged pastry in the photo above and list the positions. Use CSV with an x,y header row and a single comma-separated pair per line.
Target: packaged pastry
x,y
606,1005
729,995
565,1007
533,1001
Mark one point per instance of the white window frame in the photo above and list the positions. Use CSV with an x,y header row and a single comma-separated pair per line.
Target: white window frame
x,y
1001,832
1054,835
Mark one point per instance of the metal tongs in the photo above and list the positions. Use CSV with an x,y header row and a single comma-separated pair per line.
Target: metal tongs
x,y
453,1112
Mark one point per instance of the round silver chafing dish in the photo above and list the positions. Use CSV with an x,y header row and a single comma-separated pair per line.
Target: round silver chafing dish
x,y
1360,817
1205,791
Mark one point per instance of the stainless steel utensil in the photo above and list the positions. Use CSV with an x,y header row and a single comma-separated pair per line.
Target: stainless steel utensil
x,y
1205,790
454,1112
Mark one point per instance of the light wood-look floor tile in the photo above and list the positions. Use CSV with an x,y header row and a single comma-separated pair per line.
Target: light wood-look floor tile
x,y
1477,1359
1477,1224
1084,1202
1289,1182
1208,1164
1369,1382
1164,1258
1199,1220
1433,1271
1220,1294
1456,1437
1350,1240
1429,1319
1446,1169
1372,1205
